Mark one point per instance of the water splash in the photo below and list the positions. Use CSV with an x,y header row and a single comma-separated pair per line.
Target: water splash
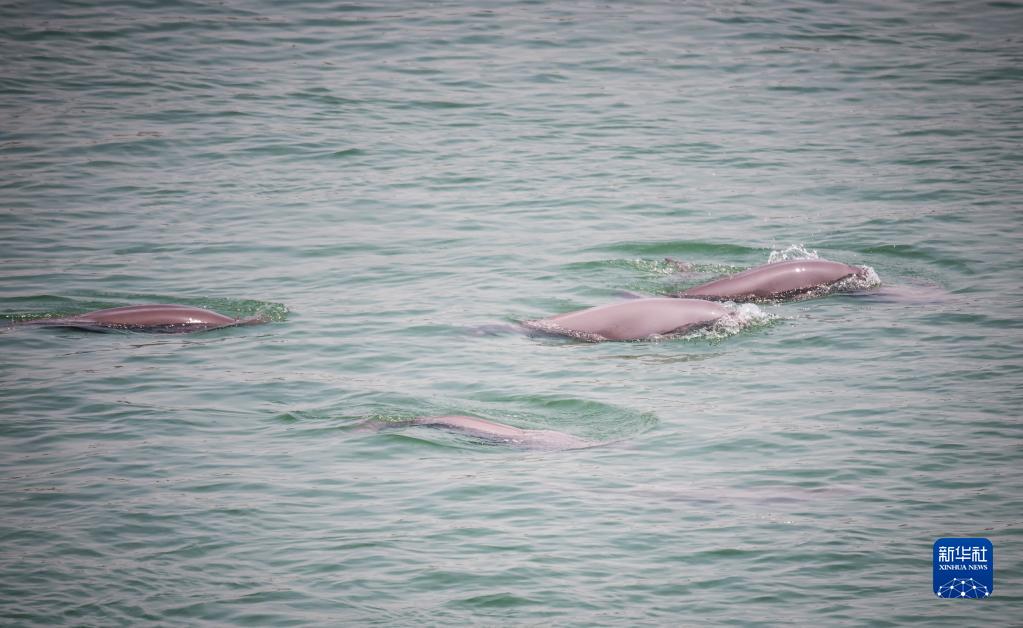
x,y
869,279
740,317
795,251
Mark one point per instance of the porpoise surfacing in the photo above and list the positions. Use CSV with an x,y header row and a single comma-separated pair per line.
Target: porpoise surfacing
x,y
155,318
491,431
777,280
632,320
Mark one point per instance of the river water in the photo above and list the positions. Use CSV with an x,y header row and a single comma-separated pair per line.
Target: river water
x,y
395,186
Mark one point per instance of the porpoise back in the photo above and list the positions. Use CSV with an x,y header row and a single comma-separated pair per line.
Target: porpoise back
x,y
778,280
156,318
632,320
491,431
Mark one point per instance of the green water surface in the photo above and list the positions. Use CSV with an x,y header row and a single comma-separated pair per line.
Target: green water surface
x,y
395,185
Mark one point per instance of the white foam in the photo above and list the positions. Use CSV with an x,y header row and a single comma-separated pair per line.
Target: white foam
x,y
795,251
741,316
870,279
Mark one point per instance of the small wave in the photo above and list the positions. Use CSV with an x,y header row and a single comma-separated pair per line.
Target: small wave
x,y
665,266
685,248
673,267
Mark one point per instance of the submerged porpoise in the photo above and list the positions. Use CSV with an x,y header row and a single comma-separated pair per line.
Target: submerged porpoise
x,y
777,280
498,433
632,320
162,318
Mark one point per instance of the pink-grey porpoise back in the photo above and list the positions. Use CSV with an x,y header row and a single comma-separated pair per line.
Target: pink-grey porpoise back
x,y
165,318
632,320
774,281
